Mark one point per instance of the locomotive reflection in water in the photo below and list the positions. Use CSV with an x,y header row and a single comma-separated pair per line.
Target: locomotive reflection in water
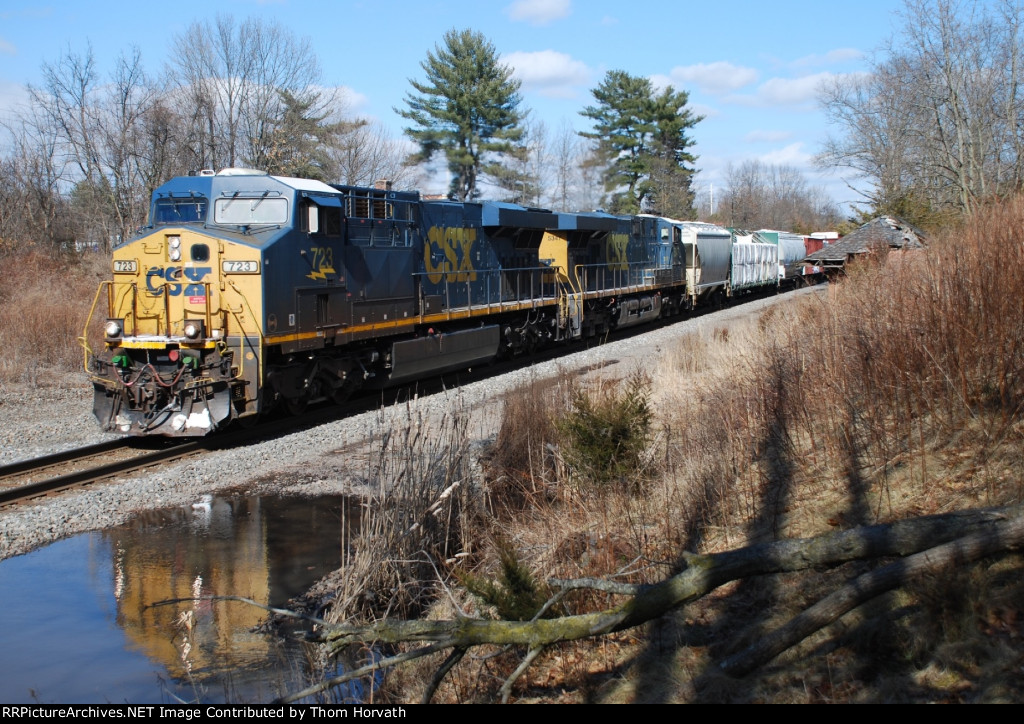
x,y
251,291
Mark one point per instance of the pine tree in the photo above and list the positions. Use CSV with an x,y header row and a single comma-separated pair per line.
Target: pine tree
x,y
300,140
468,108
643,138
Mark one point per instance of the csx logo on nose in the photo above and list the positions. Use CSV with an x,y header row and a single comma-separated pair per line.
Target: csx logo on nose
x,y
157,278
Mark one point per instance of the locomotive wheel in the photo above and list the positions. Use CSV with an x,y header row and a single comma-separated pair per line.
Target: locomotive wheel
x,y
296,406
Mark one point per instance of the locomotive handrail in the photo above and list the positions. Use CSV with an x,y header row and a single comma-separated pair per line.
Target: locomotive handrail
x,y
133,289
533,296
259,331
167,306
84,339
582,271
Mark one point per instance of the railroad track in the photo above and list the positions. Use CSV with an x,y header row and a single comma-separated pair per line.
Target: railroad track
x,y
49,474
28,479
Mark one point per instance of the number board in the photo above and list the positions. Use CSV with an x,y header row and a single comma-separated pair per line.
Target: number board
x,y
240,267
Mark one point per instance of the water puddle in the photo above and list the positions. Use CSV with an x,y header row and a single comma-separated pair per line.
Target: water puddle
x,y
80,625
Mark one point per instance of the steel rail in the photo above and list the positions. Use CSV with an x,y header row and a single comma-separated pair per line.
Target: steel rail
x,y
84,477
60,458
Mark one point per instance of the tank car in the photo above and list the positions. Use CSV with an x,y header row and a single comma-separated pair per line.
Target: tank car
x,y
248,291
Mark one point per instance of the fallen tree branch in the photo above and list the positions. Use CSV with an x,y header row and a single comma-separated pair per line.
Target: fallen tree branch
x,y
506,688
597,584
703,574
361,671
974,534
454,658
970,548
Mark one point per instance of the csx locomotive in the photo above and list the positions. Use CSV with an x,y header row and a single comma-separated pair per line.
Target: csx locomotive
x,y
249,291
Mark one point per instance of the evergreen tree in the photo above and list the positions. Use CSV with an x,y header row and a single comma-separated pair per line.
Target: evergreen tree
x,y
468,108
300,140
643,138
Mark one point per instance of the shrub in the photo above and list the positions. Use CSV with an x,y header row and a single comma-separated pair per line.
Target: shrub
x,y
605,432
44,302
516,595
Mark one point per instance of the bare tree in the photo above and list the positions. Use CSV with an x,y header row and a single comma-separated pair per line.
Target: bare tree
x,y
591,171
367,153
536,160
564,153
934,128
65,107
236,94
33,208
131,143
523,176
103,155
759,195
232,76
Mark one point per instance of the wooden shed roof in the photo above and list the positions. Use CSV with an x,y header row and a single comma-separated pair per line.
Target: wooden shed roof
x,y
888,231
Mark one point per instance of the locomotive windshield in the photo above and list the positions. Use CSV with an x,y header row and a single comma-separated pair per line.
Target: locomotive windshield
x,y
248,210
189,210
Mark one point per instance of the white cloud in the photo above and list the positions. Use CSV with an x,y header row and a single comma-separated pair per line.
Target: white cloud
x,y
700,109
549,72
839,55
791,155
791,92
767,136
7,48
352,100
719,77
538,12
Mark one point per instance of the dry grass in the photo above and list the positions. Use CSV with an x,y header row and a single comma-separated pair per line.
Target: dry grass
x,y
410,529
898,392
44,301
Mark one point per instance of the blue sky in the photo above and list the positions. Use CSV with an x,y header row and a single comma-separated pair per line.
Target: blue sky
x,y
751,67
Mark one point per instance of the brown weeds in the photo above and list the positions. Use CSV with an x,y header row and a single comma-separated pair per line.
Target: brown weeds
x,y
414,523
895,392
44,301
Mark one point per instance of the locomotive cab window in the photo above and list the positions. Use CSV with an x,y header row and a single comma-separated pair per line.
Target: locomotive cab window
x,y
189,210
321,217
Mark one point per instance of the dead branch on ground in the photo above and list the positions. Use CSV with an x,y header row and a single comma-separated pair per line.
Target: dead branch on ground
x,y
923,544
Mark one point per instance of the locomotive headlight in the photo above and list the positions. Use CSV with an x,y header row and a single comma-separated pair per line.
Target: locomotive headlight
x,y
193,330
113,328
174,242
175,255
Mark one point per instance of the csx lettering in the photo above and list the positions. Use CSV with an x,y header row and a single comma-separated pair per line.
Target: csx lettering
x,y
455,245
158,277
616,252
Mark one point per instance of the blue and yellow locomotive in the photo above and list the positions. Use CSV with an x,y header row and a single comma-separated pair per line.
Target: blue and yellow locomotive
x,y
249,291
